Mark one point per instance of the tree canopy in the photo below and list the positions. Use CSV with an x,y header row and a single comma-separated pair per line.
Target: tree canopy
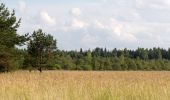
x,y
41,48
8,36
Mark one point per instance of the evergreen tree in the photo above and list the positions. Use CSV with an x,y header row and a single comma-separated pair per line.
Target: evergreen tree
x,y
9,37
41,48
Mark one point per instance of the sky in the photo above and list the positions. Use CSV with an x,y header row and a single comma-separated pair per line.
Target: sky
x,y
89,24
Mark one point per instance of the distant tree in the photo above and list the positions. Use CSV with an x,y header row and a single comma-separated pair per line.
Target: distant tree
x,y
151,54
88,57
122,62
107,64
105,52
139,64
142,53
120,53
164,53
114,53
168,53
68,63
116,64
157,53
96,63
126,53
81,50
131,64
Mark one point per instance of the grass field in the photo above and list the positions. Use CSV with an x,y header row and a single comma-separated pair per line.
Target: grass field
x,y
72,85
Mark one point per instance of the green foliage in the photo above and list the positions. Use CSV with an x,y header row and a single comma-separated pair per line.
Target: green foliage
x,y
116,65
57,66
107,64
131,64
10,57
41,48
105,60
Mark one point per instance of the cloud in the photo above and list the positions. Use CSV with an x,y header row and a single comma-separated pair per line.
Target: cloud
x,y
22,5
112,29
46,18
104,23
90,41
76,11
119,29
78,23
98,33
99,24
154,4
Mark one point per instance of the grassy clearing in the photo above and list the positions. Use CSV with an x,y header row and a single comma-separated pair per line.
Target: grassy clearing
x,y
72,85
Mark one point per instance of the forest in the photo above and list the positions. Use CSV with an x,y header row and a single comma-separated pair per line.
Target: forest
x,y
42,52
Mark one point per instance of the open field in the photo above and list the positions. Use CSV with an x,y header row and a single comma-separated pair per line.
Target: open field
x,y
72,85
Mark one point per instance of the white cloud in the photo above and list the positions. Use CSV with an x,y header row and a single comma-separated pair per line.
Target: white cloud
x,y
99,24
47,18
22,6
76,11
154,4
107,23
115,29
89,40
78,23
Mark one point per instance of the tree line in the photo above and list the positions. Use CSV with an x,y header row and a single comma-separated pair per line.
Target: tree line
x,y
103,59
42,52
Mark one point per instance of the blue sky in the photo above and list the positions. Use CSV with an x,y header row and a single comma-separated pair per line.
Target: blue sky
x,y
97,23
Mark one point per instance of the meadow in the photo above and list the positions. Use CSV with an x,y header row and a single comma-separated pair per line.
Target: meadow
x,y
82,85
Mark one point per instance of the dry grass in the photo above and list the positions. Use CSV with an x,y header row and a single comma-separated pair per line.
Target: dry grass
x,y
71,85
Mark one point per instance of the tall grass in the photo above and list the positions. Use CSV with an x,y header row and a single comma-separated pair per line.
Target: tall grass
x,y
72,85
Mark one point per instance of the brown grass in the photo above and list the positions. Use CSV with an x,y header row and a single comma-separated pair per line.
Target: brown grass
x,y
72,85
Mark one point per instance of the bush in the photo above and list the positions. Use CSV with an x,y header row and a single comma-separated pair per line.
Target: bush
x,y
57,66
124,66
131,64
116,66
86,67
